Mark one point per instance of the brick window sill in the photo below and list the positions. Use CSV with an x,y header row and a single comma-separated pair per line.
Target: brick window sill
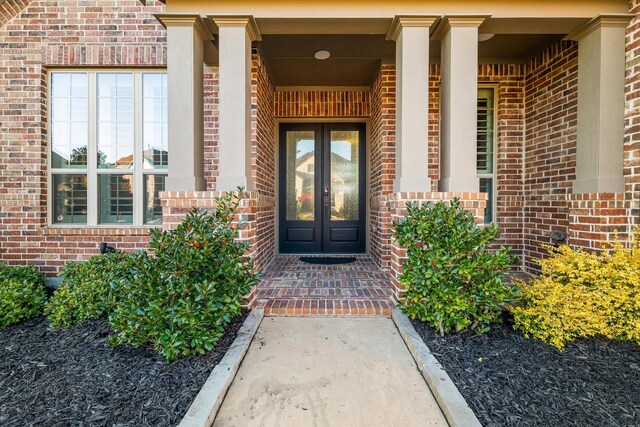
x,y
96,231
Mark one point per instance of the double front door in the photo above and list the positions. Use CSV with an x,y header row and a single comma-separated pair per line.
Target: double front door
x,y
322,182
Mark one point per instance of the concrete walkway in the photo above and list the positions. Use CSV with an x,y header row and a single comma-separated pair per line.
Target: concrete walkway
x,y
328,372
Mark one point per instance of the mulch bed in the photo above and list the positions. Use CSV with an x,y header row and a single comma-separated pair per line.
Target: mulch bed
x,y
72,377
509,380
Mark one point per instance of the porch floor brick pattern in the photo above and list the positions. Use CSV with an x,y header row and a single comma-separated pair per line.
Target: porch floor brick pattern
x,y
290,287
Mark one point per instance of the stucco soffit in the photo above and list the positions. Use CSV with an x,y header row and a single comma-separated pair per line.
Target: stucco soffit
x,y
619,20
238,20
454,21
400,22
184,20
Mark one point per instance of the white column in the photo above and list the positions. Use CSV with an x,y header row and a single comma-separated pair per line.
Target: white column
x,y
459,103
411,34
185,37
601,80
234,114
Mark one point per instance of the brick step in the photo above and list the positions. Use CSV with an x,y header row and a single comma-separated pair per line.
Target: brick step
x,y
311,284
324,292
325,307
326,275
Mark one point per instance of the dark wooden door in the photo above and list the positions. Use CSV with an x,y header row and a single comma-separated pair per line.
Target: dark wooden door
x,y
322,188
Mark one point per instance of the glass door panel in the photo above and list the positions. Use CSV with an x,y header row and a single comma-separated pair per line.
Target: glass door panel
x,y
300,164
344,153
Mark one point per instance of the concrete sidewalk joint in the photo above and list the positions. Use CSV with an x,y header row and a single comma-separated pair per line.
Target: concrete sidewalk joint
x,y
204,408
452,404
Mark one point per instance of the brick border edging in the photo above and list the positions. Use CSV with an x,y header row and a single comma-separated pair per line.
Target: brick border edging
x,y
452,404
205,406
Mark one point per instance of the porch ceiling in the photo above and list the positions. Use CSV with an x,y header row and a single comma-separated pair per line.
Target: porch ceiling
x,y
355,58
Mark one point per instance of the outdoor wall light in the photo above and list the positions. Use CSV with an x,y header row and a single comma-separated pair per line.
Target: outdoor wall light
x,y
106,249
322,54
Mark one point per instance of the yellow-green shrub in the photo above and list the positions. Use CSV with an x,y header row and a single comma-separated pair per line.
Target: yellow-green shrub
x,y
580,294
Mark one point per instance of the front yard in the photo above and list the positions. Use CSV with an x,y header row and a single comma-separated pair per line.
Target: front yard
x,y
509,380
72,376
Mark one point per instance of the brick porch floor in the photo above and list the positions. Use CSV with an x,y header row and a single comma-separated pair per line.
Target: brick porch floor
x,y
290,287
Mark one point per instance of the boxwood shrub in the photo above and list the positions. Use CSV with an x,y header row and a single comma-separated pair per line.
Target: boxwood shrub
x,y
22,293
452,281
180,300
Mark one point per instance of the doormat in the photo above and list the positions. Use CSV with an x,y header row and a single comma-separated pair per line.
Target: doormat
x,y
327,260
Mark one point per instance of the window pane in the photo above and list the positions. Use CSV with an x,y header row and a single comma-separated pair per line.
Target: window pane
x,y
153,185
116,199
485,130
115,120
154,106
344,175
301,157
69,120
69,199
486,186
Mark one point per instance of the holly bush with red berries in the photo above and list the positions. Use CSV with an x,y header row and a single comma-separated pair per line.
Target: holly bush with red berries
x,y
180,300
452,281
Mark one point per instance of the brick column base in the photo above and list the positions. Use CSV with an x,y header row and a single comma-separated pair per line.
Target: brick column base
x,y
397,202
594,218
177,204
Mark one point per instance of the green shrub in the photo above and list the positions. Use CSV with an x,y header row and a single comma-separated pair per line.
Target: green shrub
x,y
181,300
89,289
581,294
452,282
22,294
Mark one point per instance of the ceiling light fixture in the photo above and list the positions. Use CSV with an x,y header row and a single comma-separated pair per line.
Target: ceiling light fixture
x,y
322,54
485,37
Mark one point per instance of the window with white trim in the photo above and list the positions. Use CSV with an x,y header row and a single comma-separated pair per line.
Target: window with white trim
x,y
108,139
486,144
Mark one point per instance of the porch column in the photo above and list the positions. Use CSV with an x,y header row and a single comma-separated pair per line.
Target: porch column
x,y
459,103
601,79
185,37
411,34
234,145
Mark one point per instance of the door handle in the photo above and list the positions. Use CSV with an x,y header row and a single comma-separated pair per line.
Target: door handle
x,y
326,191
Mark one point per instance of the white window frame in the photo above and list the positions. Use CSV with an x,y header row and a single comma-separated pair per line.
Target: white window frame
x,y
92,171
494,154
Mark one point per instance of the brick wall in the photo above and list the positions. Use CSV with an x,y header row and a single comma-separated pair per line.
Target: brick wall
x,y
382,161
632,114
321,103
551,111
597,218
210,113
34,36
263,160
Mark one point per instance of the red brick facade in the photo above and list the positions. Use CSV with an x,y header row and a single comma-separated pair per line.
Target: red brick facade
x,y
535,138
34,36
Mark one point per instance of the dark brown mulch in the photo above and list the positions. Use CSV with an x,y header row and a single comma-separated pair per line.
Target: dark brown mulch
x,y
72,377
509,380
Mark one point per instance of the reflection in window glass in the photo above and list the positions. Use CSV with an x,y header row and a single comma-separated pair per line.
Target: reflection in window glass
x,y
485,131
115,120
153,185
485,146
116,199
154,111
344,175
486,186
70,199
69,120
301,158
